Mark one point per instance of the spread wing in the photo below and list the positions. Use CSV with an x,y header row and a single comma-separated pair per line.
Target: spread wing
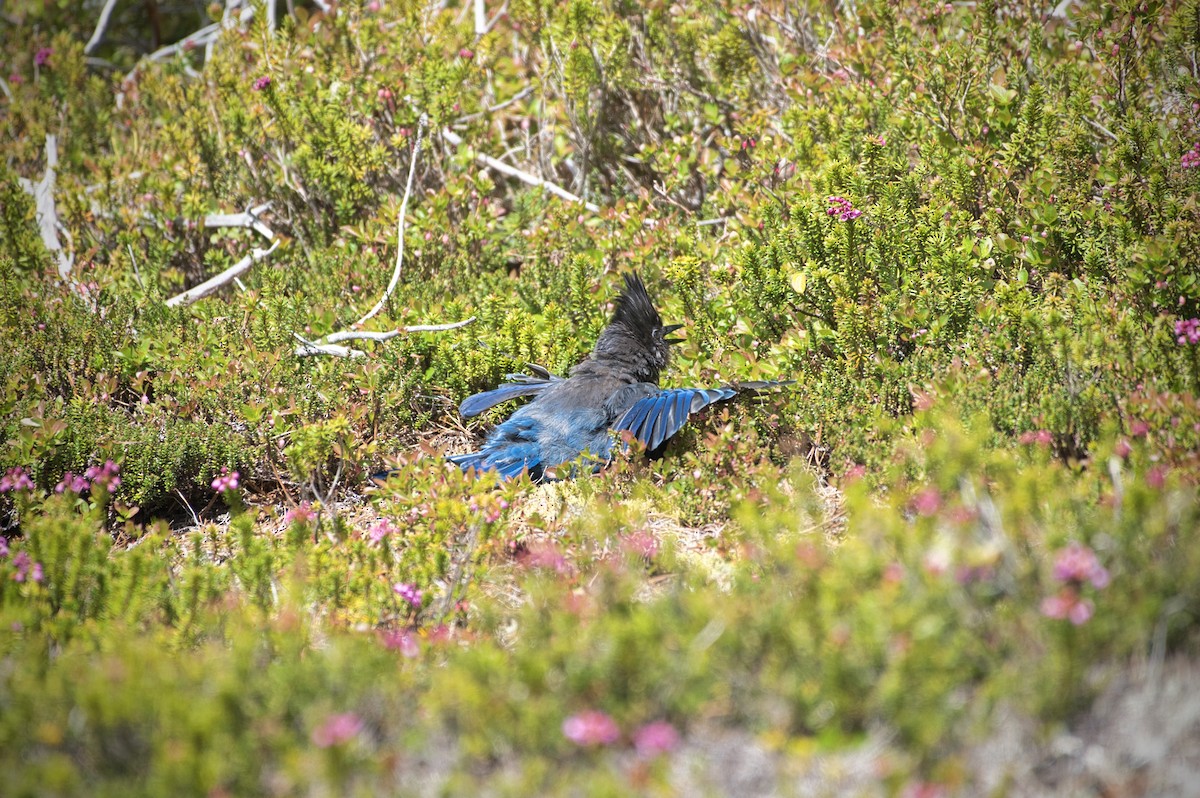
x,y
519,385
657,417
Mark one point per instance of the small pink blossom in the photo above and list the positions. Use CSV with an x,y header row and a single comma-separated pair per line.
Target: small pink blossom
x,y
1187,331
42,57
408,592
1122,449
228,480
105,476
655,739
262,82
15,479
466,54
337,729
1191,158
71,483
26,568
1077,564
4,547
381,529
927,502
1067,605
403,641
1042,437
842,208
641,543
302,513
591,728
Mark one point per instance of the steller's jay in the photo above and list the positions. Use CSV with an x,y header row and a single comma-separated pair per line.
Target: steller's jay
x,y
614,390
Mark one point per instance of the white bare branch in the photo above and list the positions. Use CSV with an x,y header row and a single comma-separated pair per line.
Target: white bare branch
x,y
47,214
248,218
308,347
412,168
524,177
101,27
212,284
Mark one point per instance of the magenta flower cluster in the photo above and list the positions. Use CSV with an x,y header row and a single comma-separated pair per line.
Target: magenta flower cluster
x,y
228,480
1191,158
593,728
262,82
842,208
302,513
42,56
403,641
1187,331
1075,566
15,479
105,476
337,729
26,568
408,592
72,482
383,528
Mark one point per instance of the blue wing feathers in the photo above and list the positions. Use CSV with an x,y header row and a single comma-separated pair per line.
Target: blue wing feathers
x,y
517,445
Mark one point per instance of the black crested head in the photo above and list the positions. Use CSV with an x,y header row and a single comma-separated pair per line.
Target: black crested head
x,y
635,340
634,308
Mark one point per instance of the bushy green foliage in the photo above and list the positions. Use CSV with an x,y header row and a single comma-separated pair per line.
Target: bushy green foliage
x,y
968,235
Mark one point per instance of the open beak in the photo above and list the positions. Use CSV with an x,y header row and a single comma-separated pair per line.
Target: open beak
x,y
670,328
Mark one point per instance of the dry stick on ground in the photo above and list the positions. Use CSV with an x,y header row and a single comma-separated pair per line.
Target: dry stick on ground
x,y
101,27
248,218
328,345
47,215
524,177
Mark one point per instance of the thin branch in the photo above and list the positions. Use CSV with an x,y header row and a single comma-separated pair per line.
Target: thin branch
x,y
480,19
387,335
47,214
101,27
524,177
212,284
308,347
248,218
412,168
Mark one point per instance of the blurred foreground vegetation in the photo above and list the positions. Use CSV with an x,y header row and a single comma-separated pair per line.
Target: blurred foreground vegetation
x,y
969,232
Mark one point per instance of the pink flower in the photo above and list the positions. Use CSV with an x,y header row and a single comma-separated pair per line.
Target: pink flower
x,y
1067,605
3,547
842,208
1041,436
15,479
466,54
927,502
1077,564
302,513
42,56
226,481
1187,331
105,476
262,82
25,567
408,592
337,729
641,543
655,738
1122,449
403,641
1139,429
380,530
591,728
546,555
71,483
